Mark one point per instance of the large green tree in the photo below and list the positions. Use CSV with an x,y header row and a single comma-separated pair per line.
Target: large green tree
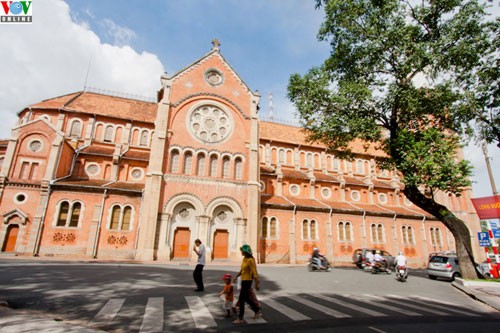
x,y
397,78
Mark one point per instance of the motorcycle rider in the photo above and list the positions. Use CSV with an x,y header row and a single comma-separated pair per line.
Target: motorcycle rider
x,y
317,258
379,260
369,256
400,260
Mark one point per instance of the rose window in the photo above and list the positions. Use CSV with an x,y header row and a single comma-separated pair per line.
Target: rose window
x,y
210,124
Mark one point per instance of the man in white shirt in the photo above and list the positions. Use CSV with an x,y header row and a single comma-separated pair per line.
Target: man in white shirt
x,y
199,248
400,260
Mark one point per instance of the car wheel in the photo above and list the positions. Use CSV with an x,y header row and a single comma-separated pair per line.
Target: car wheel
x,y
432,277
455,275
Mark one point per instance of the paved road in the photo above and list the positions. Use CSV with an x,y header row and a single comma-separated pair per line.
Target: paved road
x,y
159,298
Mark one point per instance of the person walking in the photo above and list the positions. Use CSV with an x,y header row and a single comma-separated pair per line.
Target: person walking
x,y
248,273
199,248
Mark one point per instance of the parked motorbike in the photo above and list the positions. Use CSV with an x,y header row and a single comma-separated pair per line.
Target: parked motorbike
x,y
401,273
312,266
380,267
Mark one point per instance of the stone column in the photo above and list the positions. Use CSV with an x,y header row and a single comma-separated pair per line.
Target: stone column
x,y
202,226
239,238
292,240
164,246
154,177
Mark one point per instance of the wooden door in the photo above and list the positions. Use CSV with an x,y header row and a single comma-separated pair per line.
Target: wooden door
x,y
181,243
221,240
11,238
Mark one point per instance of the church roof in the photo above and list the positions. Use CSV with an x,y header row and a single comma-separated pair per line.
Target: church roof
x,y
104,105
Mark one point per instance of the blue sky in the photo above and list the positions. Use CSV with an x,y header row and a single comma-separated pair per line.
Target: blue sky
x,y
125,46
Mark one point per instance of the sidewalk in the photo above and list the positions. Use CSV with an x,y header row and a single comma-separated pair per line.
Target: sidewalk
x,y
486,292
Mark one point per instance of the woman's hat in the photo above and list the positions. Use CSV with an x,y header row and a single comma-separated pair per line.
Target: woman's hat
x,y
246,248
226,276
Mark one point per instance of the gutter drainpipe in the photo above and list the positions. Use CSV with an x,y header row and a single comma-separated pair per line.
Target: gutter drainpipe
x,y
98,230
38,239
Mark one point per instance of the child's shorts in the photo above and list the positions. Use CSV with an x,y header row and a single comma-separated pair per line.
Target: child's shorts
x,y
227,305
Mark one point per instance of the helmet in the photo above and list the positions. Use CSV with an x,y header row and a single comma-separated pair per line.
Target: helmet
x,y
400,253
226,276
246,248
377,252
315,249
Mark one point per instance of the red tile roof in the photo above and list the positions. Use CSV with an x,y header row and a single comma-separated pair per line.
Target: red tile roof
x,y
137,155
98,150
104,105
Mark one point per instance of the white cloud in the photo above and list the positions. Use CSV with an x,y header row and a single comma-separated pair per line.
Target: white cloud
x,y
51,57
120,35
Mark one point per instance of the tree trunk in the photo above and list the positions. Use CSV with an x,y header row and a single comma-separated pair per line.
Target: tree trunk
x,y
457,227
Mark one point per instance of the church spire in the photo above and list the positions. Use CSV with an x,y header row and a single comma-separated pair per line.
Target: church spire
x,y
215,44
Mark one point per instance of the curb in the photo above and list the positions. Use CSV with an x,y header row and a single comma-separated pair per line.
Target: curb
x,y
478,295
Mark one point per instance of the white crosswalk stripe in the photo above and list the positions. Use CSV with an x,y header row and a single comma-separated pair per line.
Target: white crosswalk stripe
x,y
108,311
152,322
201,316
351,306
387,306
206,311
287,311
319,307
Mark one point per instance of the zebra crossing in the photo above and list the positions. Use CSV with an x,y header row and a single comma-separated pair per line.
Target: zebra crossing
x,y
202,312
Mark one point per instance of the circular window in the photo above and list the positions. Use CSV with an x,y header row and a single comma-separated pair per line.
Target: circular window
x,y
35,145
213,77
294,189
355,195
262,186
92,169
326,192
20,198
137,173
382,198
210,123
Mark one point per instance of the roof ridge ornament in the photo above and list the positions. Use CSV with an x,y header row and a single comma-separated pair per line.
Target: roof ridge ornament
x,y
215,44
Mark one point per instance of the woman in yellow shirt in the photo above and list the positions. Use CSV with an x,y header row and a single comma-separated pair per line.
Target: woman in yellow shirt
x,y
248,273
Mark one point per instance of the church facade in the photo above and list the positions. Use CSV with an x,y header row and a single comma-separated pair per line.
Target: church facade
x,y
94,176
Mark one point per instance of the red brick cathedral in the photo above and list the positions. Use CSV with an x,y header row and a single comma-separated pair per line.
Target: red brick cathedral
x,y
90,175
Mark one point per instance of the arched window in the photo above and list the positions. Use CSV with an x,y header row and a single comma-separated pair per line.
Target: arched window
x,y
108,134
76,129
282,157
69,214
63,214
238,168
377,233
225,167
309,230
201,165
269,228
188,163
305,229
75,214
360,168
345,231
174,161
309,161
273,228
121,218
264,227
436,237
213,166
144,138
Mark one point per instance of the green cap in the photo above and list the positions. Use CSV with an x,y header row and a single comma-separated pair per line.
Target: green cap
x,y
246,248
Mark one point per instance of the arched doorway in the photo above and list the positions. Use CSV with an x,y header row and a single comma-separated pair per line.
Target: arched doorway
x,y
11,238
221,242
181,243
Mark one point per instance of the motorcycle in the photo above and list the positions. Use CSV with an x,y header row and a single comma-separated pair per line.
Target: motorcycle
x,y
367,266
313,266
401,273
380,267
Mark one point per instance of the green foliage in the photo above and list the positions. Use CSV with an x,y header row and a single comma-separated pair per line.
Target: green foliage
x,y
399,75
